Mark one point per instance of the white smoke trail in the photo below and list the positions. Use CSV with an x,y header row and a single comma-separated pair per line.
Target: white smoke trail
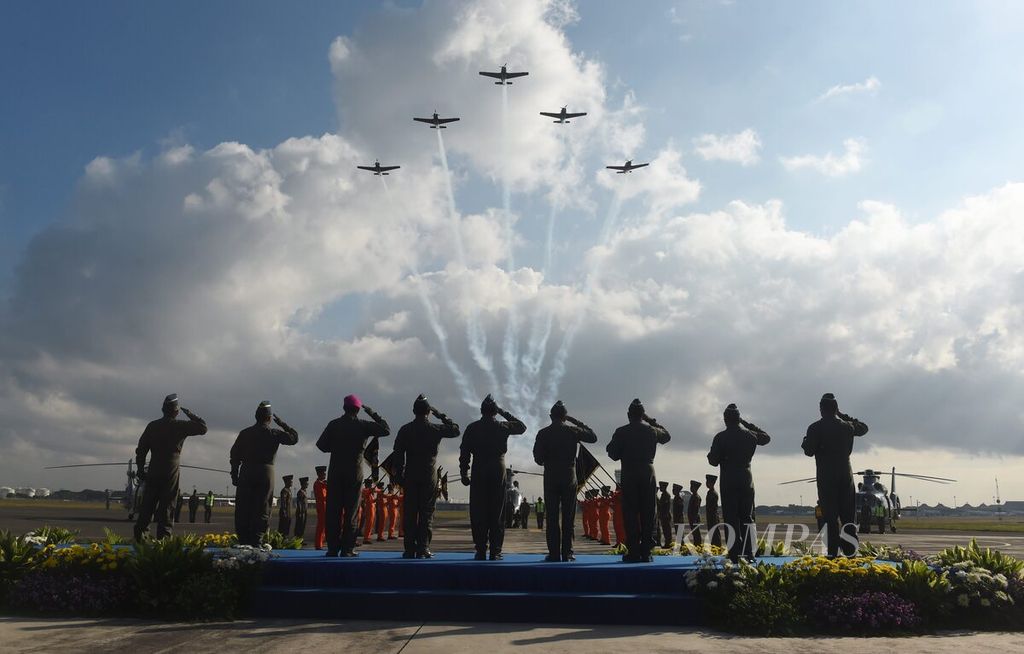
x,y
510,344
475,335
561,359
462,382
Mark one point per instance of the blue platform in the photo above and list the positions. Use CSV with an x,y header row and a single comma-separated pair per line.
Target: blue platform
x,y
452,586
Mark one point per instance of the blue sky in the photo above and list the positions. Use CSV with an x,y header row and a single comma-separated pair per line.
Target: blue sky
x,y
924,113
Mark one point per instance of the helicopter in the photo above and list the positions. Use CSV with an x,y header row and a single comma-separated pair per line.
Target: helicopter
x,y
131,497
876,504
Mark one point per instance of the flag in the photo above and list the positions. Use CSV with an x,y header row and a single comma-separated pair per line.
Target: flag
x,y
372,456
586,465
390,466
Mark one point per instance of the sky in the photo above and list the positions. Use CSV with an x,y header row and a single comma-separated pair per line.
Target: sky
x,y
832,205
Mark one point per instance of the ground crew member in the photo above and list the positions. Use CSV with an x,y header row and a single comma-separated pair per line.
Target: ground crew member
x,y
819,515
369,509
208,506
524,521
732,449
830,442
252,472
555,450
693,513
381,510
664,510
484,445
284,507
618,522
193,505
301,507
392,498
635,445
345,439
538,507
162,440
416,448
585,513
320,498
604,514
711,510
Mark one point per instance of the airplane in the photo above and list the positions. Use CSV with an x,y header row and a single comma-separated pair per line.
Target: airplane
x,y
562,116
627,168
504,75
378,169
435,122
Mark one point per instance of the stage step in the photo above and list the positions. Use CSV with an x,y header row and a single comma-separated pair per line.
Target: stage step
x,y
477,606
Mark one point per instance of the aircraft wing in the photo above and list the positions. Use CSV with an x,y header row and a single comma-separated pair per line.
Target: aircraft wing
x,y
424,120
576,115
635,166
494,75
615,167
511,75
551,114
442,121
371,168
387,168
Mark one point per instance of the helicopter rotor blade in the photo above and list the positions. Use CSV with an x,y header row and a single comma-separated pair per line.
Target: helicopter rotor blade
x,y
226,472
798,481
936,480
84,465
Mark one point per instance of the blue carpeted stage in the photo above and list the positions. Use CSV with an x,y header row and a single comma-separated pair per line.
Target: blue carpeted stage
x,y
452,586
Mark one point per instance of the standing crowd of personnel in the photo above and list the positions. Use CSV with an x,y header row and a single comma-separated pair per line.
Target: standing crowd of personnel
x,y
640,511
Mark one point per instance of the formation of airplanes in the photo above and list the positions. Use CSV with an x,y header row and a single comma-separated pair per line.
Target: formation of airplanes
x,y
503,76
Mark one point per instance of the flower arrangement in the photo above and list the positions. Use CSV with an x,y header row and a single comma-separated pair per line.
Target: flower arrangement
x,y
94,557
869,612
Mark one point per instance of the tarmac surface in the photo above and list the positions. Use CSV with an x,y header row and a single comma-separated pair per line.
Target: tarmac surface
x,y
451,533
387,637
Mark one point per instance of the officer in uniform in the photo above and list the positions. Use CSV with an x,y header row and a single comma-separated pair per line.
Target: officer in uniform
x,y
830,442
284,507
665,514
635,445
711,510
344,439
301,507
733,449
484,445
678,505
416,447
162,440
320,498
193,505
539,511
555,450
252,472
208,507
693,513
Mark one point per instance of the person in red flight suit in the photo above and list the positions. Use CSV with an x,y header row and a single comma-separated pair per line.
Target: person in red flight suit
x,y
320,495
617,520
604,505
391,497
382,511
592,514
369,504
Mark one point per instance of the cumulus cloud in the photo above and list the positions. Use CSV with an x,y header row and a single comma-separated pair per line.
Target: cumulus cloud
x,y
831,165
232,275
870,85
742,148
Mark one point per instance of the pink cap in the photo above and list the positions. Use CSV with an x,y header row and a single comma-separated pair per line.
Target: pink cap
x,y
353,402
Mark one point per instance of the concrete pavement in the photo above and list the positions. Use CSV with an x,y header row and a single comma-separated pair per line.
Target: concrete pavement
x,y
136,636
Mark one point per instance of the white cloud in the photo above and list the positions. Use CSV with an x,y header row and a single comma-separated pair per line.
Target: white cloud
x,y
870,85
850,161
742,148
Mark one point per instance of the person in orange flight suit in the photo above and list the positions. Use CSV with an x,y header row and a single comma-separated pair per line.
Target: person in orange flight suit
x,y
400,494
391,498
592,514
369,502
382,511
617,520
604,505
585,513
320,495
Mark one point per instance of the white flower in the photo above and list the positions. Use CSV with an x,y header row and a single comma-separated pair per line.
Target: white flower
x,y
963,600
985,602
712,585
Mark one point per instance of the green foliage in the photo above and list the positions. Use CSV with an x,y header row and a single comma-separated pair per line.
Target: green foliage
x,y
16,558
209,595
778,548
47,535
279,541
992,560
160,567
763,612
927,588
111,538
